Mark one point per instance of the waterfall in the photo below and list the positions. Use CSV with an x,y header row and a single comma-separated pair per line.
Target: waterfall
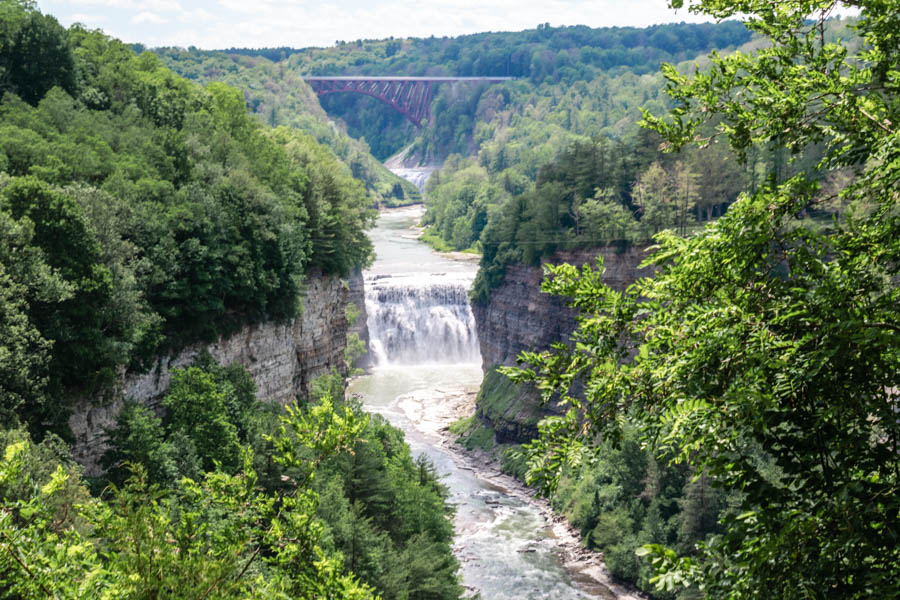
x,y
417,175
420,320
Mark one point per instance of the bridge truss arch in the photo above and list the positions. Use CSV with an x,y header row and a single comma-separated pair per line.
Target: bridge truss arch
x,y
411,96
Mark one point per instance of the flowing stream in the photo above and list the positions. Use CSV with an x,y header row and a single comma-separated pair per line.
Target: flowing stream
x,y
427,365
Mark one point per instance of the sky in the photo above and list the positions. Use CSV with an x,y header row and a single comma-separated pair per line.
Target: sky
x,y
216,24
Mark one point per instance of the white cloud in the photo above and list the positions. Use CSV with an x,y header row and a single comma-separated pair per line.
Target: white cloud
x,y
126,4
198,16
244,7
299,23
147,17
161,5
85,18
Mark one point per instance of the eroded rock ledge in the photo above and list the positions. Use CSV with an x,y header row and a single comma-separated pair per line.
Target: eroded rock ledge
x,y
283,358
519,316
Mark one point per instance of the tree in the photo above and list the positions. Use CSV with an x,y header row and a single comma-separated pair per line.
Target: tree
x,y
24,353
653,194
38,57
685,194
197,406
720,178
139,438
605,220
90,339
765,352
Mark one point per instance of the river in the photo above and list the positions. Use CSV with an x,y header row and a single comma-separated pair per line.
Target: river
x,y
427,371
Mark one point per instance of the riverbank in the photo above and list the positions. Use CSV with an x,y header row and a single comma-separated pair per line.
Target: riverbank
x,y
432,417
418,232
509,546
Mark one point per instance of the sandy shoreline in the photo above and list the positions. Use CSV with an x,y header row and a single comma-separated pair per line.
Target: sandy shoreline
x,y
434,418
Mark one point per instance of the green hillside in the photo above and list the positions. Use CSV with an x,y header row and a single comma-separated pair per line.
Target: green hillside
x,y
156,212
278,96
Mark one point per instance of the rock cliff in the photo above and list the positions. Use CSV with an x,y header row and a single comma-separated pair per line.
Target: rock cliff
x,y
360,327
283,358
519,316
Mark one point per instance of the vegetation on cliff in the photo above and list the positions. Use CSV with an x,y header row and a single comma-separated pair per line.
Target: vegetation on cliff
x,y
762,357
141,213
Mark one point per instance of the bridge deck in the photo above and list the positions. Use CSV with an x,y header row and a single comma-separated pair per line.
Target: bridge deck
x,y
401,78
411,96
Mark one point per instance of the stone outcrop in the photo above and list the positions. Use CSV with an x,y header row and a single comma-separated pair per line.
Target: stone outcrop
x,y
283,358
360,327
519,316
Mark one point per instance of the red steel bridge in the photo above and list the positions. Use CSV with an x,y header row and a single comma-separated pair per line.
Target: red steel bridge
x,y
411,96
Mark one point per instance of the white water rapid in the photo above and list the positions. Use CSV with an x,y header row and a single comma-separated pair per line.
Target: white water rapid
x,y
427,372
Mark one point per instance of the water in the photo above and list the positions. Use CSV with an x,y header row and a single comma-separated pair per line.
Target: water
x,y
427,371
413,322
417,175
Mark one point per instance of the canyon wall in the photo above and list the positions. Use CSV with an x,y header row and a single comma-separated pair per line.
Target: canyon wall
x,y
519,316
283,358
360,327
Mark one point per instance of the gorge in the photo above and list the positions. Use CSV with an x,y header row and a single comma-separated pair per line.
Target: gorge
x,y
263,310
426,373
427,352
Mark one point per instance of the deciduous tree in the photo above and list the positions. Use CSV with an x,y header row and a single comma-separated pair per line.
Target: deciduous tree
x,y
765,352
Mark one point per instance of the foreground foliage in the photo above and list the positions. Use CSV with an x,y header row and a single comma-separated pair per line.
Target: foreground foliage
x,y
217,537
228,498
763,353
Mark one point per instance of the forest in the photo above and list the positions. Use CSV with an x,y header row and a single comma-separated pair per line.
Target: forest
x,y
144,212
727,427
753,377
141,213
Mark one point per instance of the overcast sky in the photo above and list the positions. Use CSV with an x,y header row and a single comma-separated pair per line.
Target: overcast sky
x,y
300,23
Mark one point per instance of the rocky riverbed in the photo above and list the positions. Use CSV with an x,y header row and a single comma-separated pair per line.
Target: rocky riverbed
x,y
432,417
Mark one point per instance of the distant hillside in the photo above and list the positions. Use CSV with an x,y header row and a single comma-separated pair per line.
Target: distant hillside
x,y
278,96
548,59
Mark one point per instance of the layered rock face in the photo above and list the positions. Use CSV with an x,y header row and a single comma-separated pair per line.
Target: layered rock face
x,y
360,327
519,316
283,358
